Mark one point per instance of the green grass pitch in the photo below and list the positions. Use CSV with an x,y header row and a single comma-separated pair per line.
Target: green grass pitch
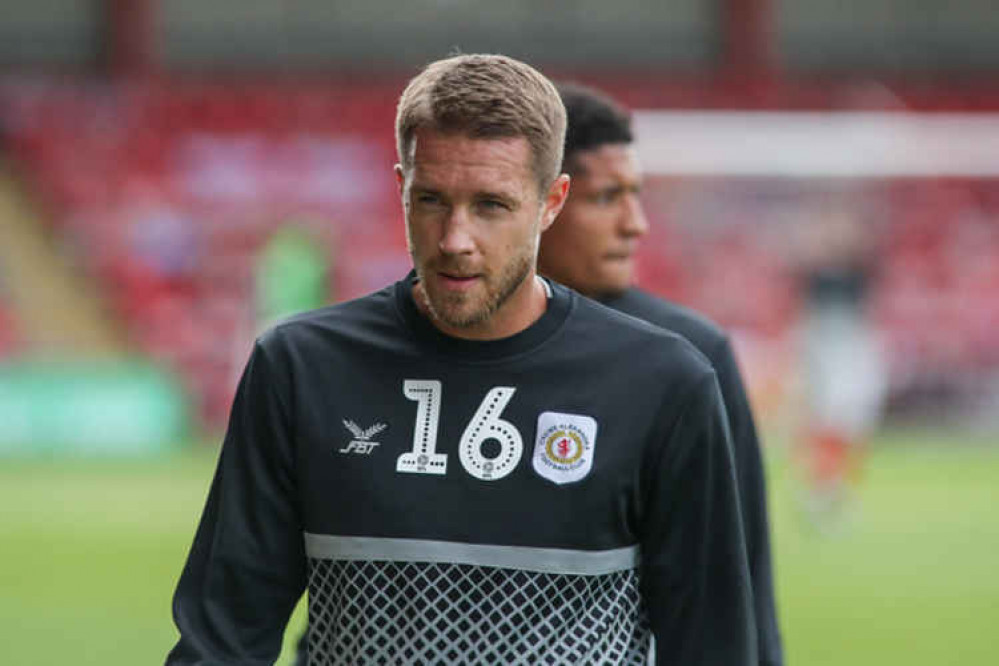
x,y
91,551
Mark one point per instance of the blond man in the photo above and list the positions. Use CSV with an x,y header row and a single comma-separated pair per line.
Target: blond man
x,y
473,465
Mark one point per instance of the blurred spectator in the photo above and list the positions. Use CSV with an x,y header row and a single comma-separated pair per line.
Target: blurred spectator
x,y
164,243
8,328
843,372
7,333
291,275
160,257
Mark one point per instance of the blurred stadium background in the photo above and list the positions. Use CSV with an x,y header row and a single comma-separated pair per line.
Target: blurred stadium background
x,y
174,173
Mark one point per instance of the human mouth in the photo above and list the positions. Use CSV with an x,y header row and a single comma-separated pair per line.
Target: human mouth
x,y
456,281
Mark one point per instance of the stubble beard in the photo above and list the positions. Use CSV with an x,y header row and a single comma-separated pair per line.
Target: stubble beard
x,y
465,310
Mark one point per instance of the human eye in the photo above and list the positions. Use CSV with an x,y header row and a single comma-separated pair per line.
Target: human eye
x,y
606,196
493,206
426,198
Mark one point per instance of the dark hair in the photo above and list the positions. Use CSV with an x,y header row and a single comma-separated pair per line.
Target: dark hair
x,y
485,96
594,119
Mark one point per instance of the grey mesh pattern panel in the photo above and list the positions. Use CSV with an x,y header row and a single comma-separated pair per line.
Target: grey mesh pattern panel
x,y
397,612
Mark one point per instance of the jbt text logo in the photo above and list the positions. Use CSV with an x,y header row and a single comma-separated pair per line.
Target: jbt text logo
x,y
361,443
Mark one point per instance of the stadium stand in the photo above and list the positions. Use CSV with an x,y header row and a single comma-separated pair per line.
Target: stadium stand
x,y
166,191
165,195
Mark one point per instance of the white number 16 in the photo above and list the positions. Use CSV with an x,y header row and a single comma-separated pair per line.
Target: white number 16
x,y
485,424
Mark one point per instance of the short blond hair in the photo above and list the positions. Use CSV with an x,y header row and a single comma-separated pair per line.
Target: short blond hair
x,y
485,96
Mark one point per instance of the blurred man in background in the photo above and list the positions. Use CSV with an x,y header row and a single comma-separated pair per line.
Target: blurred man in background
x,y
591,248
291,275
433,532
843,376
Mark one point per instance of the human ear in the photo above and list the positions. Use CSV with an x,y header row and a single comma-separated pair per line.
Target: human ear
x,y
555,198
400,177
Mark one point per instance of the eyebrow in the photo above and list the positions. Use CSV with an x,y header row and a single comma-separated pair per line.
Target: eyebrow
x,y
502,197
618,186
419,189
480,195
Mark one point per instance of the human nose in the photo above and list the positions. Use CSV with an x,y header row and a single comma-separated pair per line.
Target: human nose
x,y
456,234
633,220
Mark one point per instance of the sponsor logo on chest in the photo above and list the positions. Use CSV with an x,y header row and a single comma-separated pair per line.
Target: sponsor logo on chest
x,y
362,443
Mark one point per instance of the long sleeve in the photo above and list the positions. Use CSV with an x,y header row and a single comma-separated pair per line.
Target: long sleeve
x,y
247,567
695,578
753,500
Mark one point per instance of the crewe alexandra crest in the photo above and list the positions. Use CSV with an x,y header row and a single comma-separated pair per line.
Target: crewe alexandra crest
x,y
563,450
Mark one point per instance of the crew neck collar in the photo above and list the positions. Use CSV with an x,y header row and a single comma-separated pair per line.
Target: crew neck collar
x,y
558,306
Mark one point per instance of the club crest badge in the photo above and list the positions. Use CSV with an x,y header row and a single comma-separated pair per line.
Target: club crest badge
x,y
563,450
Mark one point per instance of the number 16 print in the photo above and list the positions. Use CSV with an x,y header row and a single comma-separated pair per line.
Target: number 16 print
x,y
486,424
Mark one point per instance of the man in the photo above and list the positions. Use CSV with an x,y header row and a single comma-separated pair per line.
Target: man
x,y
843,373
591,249
473,465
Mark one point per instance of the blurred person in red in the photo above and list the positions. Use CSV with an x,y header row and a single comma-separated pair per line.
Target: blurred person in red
x,y
7,332
8,329
842,373
591,248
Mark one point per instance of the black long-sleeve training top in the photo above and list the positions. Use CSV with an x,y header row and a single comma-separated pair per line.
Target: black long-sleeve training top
x,y
560,496
714,344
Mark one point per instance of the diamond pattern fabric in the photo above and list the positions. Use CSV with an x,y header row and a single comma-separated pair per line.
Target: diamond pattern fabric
x,y
385,612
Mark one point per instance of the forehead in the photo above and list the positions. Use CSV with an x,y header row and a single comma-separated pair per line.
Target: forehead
x,y
456,161
617,161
